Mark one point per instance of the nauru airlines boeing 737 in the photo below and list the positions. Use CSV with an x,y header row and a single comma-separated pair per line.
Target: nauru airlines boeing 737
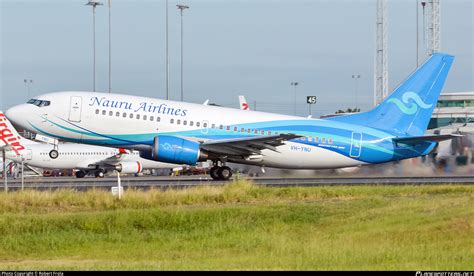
x,y
86,159
185,133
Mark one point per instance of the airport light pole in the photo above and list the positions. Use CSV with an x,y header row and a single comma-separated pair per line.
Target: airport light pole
x,y
417,35
423,4
182,8
110,45
28,83
294,84
22,174
94,4
167,57
356,78
5,181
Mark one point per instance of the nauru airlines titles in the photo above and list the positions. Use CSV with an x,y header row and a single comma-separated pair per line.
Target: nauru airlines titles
x,y
185,133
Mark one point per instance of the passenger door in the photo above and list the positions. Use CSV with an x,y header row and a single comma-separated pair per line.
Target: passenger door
x,y
75,109
356,144
27,155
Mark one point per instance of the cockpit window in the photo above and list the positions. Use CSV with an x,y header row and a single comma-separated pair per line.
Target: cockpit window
x,y
39,103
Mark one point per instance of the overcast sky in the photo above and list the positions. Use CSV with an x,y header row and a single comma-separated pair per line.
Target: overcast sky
x,y
255,48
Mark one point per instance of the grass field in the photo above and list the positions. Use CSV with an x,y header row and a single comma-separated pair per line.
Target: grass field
x,y
241,227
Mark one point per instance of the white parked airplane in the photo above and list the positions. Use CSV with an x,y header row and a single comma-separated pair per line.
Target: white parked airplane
x,y
244,105
86,159
185,133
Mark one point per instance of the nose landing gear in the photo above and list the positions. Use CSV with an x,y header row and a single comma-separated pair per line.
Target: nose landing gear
x,y
53,154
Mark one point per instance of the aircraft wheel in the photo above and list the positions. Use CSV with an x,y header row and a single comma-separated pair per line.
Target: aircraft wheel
x,y
224,173
213,173
80,174
100,174
53,154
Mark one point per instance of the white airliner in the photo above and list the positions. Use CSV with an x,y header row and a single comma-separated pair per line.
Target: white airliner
x,y
185,133
244,105
86,159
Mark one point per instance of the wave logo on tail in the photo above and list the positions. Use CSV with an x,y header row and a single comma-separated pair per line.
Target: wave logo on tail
x,y
409,108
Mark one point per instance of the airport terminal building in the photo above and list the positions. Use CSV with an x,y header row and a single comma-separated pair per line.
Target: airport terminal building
x,y
454,111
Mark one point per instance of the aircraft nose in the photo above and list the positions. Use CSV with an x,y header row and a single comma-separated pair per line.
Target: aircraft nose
x,y
18,115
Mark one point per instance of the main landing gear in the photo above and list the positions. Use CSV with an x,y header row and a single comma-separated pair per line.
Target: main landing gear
x,y
80,174
99,173
220,172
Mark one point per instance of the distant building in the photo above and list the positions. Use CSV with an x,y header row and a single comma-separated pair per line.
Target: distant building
x,y
454,111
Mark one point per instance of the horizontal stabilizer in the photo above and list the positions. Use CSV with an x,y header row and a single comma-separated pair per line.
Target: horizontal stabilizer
x,y
428,138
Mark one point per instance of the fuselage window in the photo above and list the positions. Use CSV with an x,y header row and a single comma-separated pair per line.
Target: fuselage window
x,y
213,126
191,123
316,139
330,140
236,129
138,116
104,112
269,132
158,119
152,118
249,130
255,131
124,115
111,113
185,122
228,128
171,121
262,132
144,117
117,114
198,124
204,124
97,111
221,127
178,121
242,130
323,140
131,115
310,139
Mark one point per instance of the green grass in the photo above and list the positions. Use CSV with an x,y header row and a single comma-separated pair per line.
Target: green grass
x,y
241,227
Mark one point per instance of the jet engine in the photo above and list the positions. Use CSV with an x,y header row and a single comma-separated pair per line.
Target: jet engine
x,y
129,167
171,149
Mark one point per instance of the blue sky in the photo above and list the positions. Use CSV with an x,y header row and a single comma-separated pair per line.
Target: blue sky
x,y
255,48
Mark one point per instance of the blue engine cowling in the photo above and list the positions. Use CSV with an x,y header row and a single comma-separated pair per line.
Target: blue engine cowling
x,y
171,149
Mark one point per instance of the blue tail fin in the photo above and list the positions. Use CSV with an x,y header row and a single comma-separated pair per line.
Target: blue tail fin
x,y
407,111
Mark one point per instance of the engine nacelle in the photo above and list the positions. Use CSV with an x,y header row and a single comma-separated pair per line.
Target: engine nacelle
x,y
129,167
171,149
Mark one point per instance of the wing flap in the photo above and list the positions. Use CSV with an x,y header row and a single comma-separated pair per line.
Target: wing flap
x,y
247,145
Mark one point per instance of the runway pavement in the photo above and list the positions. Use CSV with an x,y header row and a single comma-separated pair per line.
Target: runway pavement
x,y
146,182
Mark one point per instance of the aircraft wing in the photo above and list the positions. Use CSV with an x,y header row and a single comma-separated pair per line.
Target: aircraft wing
x,y
247,145
430,138
108,161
